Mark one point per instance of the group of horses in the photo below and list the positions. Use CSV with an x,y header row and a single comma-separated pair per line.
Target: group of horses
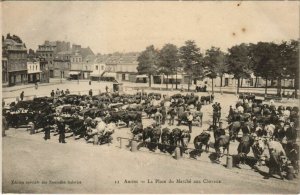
x,y
270,131
256,120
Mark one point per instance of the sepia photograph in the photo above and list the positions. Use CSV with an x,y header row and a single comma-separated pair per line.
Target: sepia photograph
x,y
150,97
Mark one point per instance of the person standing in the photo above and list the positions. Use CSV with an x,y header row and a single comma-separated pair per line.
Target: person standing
x,y
52,93
106,88
90,92
158,117
164,114
22,95
57,92
172,113
47,129
61,131
180,113
190,118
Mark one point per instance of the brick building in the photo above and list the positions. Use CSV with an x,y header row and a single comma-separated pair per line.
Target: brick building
x,y
14,63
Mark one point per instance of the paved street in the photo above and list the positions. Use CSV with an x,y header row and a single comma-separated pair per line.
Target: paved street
x,y
104,169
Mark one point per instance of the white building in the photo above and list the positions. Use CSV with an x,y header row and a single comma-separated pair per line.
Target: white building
x,y
33,71
97,71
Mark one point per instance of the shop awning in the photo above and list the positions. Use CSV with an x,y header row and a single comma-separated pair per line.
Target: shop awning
x,y
141,76
110,74
74,73
95,75
34,72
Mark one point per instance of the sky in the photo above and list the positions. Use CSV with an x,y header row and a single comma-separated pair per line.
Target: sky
x,y
118,26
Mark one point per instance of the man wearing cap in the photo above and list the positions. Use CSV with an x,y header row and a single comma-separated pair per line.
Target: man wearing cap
x,y
190,118
279,132
61,130
158,117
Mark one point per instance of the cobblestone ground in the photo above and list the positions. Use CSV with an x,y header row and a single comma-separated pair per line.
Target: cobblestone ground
x,y
104,169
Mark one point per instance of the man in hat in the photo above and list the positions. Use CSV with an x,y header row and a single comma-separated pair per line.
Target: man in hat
x,y
22,96
158,117
180,111
61,130
47,129
172,113
190,118
52,93
164,114
279,132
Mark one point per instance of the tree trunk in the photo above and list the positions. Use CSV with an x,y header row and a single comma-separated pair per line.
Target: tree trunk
x,y
176,78
296,85
149,80
167,81
238,86
221,81
212,85
189,83
256,79
241,85
279,85
266,87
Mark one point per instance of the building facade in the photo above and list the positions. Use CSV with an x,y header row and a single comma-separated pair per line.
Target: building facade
x,y
4,70
15,61
47,51
33,71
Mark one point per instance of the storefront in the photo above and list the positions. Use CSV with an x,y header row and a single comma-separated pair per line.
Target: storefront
x,y
17,78
34,77
75,75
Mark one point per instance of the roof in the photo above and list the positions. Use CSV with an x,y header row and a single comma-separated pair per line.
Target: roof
x,y
10,44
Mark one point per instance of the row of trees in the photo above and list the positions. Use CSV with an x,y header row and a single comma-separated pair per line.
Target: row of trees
x,y
264,59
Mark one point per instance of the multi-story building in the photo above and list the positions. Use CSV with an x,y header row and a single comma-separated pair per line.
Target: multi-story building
x,y
82,61
61,68
45,73
4,70
47,51
33,70
14,53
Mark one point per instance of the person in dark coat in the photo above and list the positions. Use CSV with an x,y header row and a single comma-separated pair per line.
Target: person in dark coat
x,y
90,92
22,96
47,129
52,93
61,131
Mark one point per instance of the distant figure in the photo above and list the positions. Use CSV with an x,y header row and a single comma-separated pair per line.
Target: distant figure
x,y
57,92
22,95
190,121
90,92
62,92
52,93
90,82
36,85
67,92
288,95
106,88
